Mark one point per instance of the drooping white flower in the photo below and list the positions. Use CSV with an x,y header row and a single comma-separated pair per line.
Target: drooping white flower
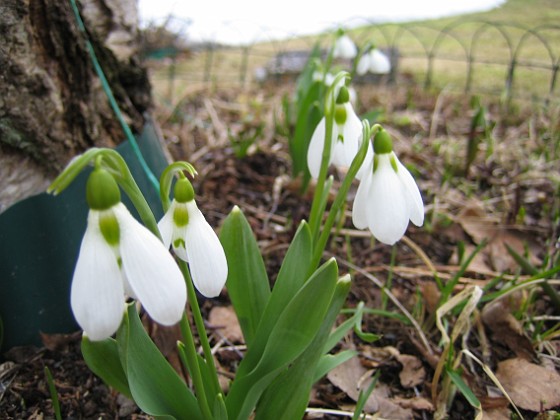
x,y
387,197
344,48
346,136
185,229
118,255
374,61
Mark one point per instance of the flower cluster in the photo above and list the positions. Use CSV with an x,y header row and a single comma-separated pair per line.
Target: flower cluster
x,y
387,197
119,255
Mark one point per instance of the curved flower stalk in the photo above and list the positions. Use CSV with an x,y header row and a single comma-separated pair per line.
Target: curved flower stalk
x,y
194,241
373,61
346,136
118,255
344,47
387,197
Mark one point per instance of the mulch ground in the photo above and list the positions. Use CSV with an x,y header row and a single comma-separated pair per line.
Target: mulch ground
x,y
260,184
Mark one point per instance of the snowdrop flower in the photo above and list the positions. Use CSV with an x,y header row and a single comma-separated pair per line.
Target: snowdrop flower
x,y
344,47
194,241
119,255
373,61
387,197
346,136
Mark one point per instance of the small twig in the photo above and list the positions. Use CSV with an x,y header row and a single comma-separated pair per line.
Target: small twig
x,y
338,413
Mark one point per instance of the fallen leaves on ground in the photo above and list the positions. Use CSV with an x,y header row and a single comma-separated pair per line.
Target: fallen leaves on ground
x,y
530,386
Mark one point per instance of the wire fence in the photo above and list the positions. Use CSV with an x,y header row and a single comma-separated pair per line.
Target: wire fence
x,y
471,56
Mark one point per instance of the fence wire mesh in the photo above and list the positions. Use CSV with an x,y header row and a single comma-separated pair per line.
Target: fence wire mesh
x,y
471,56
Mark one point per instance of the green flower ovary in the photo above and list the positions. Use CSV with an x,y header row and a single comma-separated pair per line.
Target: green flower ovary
x,y
382,142
184,191
102,191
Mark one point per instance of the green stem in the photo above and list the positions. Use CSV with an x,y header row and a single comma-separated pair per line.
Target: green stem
x,y
317,206
199,323
194,368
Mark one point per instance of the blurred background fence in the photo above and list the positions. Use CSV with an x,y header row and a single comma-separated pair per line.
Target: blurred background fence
x,y
471,56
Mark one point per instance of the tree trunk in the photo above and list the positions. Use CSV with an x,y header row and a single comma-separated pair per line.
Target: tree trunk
x,y
52,104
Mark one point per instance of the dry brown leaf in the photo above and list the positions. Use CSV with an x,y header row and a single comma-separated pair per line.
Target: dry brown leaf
x,y
480,226
413,372
496,414
415,403
431,295
223,319
530,386
479,264
58,341
497,316
349,378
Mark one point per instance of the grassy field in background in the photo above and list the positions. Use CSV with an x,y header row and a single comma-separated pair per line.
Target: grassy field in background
x,y
450,41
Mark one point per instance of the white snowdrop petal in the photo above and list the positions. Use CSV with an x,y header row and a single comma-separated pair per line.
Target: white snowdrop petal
x,y
352,133
388,211
414,198
366,165
166,225
360,206
97,296
180,234
345,48
315,150
208,264
363,65
127,288
379,62
152,272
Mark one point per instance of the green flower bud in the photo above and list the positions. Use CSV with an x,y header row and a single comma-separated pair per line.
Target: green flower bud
x,y
184,191
382,142
102,191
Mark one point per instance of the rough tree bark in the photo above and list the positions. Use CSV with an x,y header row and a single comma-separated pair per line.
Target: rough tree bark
x,y
52,105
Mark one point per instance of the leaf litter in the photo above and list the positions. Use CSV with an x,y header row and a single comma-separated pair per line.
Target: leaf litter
x,y
509,198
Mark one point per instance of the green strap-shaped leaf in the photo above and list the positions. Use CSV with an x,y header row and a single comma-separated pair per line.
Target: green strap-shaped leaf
x,y
247,281
329,361
155,386
287,397
291,278
293,332
102,357
464,388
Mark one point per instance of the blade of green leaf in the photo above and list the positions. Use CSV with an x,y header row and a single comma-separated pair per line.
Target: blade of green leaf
x,y
364,395
291,277
102,357
293,332
464,388
247,281
287,397
220,409
155,386
309,115
328,362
